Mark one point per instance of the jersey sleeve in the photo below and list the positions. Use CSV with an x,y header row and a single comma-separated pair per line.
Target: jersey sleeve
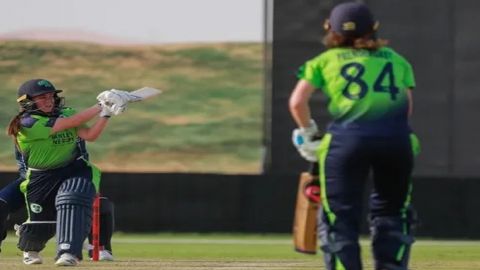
x,y
67,111
311,72
409,78
36,128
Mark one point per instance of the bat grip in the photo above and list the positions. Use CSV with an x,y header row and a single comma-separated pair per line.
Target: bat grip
x,y
314,168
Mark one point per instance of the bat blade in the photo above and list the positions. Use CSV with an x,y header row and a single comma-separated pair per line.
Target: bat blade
x,y
143,93
305,218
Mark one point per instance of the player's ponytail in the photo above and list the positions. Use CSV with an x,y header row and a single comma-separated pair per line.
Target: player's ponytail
x,y
14,126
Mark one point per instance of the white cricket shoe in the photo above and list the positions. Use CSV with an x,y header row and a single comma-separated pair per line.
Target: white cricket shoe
x,y
105,255
67,259
32,257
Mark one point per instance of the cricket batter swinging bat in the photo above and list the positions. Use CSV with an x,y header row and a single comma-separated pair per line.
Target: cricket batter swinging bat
x,y
308,204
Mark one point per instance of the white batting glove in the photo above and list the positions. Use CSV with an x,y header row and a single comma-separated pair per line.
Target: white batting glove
x,y
302,139
106,110
116,100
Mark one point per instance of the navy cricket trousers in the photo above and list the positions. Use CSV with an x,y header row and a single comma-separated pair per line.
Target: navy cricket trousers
x,y
346,161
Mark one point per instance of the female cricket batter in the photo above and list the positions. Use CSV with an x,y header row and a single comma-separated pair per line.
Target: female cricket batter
x,y
12,200
59,187
369,90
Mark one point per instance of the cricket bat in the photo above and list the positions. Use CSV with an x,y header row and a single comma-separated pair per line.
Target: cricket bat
x,y
143,94
305,220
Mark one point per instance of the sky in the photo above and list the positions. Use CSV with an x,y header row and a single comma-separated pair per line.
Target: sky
x,y
141,21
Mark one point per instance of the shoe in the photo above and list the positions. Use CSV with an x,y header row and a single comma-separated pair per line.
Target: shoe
x,y
32,257
105,255
67,259
17,227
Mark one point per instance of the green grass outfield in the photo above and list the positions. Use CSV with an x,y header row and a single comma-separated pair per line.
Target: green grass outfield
x,y
239,252
208,119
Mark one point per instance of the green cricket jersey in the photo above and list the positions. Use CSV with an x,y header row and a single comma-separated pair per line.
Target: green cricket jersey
x,y
367,90
43,150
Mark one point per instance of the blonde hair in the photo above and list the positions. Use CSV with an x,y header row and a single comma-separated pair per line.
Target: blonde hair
x,y
13,127
367,42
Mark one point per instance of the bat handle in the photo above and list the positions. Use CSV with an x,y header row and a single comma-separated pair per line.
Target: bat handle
x,y
314,168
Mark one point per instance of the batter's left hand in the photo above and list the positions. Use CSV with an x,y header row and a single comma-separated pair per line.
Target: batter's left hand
x,y
114,99
303,139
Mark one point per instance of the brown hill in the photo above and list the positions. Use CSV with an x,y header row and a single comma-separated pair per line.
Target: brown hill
x,y
64,35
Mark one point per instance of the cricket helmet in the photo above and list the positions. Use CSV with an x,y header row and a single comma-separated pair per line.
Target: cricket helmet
x,y
33,88
351,20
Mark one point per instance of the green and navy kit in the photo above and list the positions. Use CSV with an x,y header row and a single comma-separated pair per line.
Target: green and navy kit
x,y
11,193
368,102
40,148
367,90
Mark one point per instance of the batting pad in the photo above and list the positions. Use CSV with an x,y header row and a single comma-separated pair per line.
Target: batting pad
x,y
74,215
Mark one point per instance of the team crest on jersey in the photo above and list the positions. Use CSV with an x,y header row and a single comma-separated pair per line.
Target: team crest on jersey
x,y
36,208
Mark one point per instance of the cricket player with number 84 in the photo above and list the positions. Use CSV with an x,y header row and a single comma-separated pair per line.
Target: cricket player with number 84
x,y
369,89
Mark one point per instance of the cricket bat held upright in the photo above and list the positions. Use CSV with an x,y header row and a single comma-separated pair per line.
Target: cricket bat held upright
x,y
305,220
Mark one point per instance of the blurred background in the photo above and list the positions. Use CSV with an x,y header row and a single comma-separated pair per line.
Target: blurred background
x,y
205,55
213,152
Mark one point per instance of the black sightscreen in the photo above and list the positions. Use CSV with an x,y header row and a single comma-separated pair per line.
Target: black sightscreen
x,y
441,41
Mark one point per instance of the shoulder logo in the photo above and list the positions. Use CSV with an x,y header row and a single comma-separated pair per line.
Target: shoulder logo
x,y
28,121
